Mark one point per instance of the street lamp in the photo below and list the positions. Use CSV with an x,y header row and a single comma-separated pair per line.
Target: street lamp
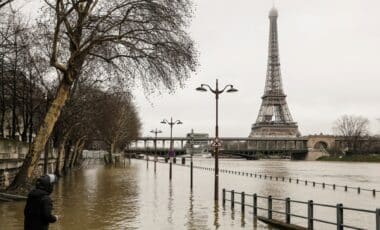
x,y
171,123
191,158
155,146
216,143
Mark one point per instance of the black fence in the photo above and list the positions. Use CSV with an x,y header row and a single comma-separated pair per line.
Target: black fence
x,y
310,217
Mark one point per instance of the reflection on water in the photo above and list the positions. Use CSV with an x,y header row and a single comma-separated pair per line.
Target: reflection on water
x,y
134,197
216,215
170,204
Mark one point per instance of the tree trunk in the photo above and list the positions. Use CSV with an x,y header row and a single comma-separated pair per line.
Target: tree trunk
x,y
61,151
2,83
61,154
79,153
112,150
14,94
74,155
67,157
44,131
31,104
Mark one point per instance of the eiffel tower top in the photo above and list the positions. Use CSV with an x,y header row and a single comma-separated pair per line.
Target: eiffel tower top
x,y
273,12
273,84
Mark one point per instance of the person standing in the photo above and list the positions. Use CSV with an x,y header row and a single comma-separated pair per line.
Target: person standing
x,y
38,209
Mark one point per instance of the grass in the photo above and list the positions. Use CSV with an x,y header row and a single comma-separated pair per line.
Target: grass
x,y
353,158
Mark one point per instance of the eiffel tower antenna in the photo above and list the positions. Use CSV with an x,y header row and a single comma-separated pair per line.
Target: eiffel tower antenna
x,y
274,118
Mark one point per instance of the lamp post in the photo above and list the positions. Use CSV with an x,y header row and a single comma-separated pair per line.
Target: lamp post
x,y
191,158
216,143
155,146
171,123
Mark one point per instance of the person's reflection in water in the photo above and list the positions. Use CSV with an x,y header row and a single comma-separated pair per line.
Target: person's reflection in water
x,y
216,215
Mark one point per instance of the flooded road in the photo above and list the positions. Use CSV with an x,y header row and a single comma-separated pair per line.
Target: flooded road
x,y
133,197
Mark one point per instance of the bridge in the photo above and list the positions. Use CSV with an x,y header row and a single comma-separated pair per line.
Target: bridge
x,y
307,147
236,146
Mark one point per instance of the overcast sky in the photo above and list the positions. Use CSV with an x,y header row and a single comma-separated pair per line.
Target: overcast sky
x,y
329,52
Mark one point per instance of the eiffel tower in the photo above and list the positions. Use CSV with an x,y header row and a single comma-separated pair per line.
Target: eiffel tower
x,y
274,119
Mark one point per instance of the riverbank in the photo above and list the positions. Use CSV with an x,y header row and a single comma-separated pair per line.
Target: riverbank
x,y
352,158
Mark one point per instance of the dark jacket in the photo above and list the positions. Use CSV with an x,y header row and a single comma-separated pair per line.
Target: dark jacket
x,y
38,209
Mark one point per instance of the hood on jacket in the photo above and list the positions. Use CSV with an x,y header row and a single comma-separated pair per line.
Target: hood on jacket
x,y
46,182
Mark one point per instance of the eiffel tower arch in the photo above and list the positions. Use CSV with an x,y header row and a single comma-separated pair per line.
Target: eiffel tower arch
x,y
274,118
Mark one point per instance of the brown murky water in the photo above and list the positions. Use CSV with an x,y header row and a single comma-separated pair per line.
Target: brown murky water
x,y
97,197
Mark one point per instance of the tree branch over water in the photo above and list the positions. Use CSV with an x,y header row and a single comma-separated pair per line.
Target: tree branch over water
x,y
123,40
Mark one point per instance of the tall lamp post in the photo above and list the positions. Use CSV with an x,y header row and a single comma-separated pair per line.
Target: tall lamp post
x,y
156,131
191,158
171,123
216,143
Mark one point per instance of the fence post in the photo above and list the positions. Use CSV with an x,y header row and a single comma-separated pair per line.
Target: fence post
x,y
345,188
255,204
242,202
232,198
323,185
334,186
378,219
358,190
270,207
224,196
310,215
287,210
339,216
374,192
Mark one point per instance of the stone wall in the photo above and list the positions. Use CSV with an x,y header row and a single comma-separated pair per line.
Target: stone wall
x,y
12,154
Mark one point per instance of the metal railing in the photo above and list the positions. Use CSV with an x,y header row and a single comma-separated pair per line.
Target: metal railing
x,y
322,185
311,218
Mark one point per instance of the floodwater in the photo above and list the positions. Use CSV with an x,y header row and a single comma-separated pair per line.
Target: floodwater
x,y
134,197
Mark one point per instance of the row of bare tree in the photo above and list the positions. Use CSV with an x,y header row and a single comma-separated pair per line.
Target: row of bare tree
x,y
85,56
355,134
22,102
92,114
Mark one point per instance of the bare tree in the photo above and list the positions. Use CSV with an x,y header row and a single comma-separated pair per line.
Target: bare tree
x,y
352,128
21,95
120,126
126,39
4,3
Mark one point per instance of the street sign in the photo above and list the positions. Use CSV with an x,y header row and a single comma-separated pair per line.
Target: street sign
x,y
216,143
